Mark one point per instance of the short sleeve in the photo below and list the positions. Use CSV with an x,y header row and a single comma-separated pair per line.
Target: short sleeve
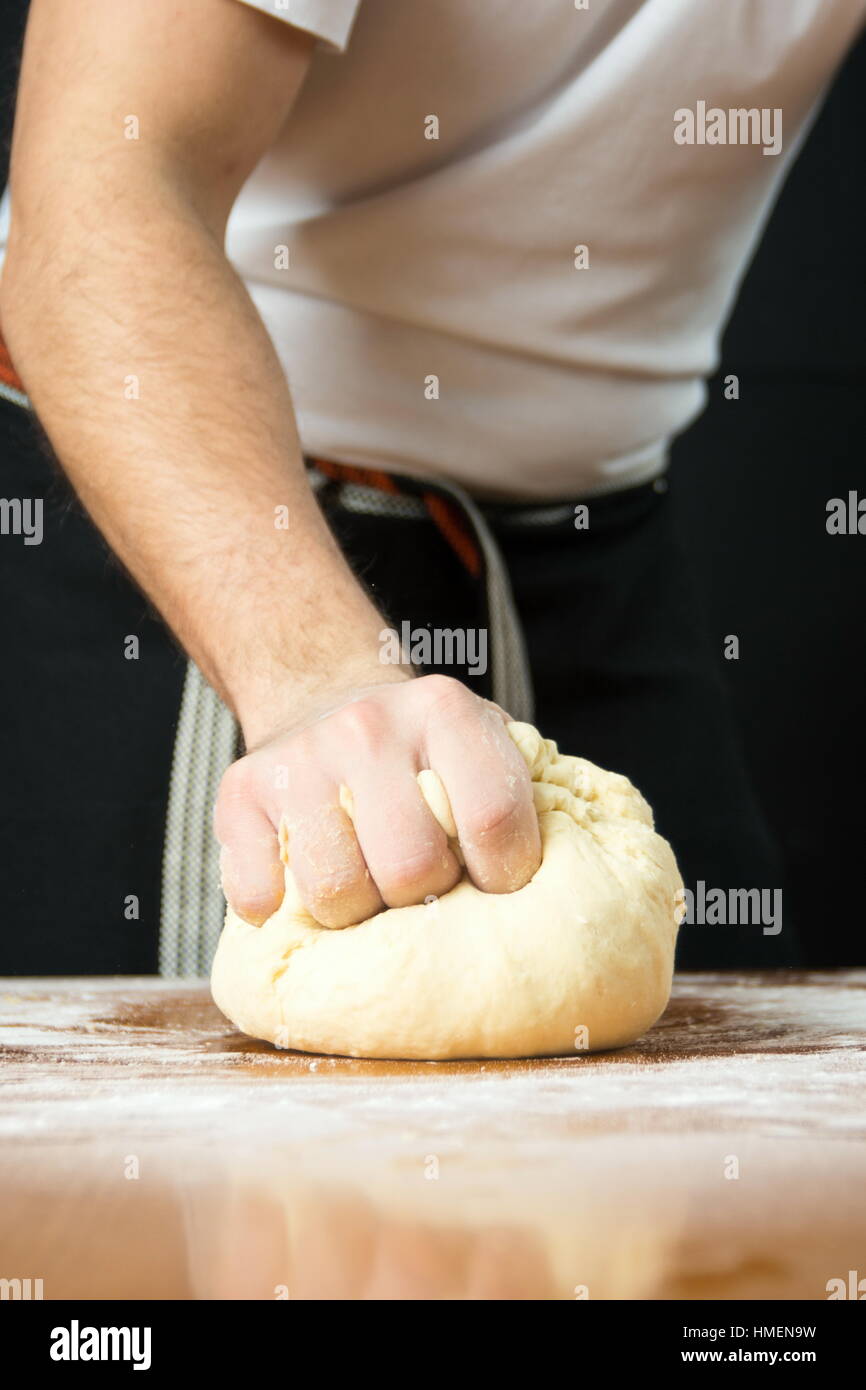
x,y
330,20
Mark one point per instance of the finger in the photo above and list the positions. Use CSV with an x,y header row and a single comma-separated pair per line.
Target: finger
x,y
490,791
250,867
406,850
329,868
497,709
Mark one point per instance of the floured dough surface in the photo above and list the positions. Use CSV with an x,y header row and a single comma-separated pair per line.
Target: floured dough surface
x,y
580,958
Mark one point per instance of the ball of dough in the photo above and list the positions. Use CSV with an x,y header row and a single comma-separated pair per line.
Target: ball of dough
x,y
580,959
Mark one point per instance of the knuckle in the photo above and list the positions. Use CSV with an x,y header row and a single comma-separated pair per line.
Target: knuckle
x,y
444,693
361,723
237,782
492,818
235,790
413,871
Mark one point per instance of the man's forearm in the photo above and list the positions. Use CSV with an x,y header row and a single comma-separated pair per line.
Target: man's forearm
x,y
156,382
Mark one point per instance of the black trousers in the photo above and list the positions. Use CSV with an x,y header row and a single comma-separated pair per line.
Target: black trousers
x,y
624,671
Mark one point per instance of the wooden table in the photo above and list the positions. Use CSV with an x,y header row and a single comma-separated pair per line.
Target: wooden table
x,y
149,1151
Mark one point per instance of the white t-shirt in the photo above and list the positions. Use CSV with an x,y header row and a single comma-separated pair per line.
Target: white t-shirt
x,y
423,293
496,242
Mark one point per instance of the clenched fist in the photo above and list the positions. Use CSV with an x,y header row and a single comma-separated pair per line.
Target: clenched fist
x,y
391,852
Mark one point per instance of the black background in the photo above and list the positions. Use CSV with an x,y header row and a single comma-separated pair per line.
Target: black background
x,y
751,480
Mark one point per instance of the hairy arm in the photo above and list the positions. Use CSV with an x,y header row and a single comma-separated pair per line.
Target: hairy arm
x,y
116,270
